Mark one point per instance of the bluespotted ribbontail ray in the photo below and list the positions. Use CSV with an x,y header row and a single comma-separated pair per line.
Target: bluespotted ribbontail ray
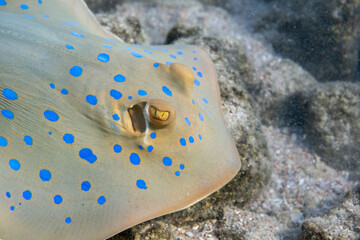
x,y
97,135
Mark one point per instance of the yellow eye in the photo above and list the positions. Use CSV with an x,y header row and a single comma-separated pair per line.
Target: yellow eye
x,y
157,114
161,113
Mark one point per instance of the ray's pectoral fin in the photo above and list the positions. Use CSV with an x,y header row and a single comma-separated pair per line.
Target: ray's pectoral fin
x,y
79,11
67,11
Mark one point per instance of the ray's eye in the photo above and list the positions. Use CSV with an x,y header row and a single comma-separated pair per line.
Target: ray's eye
x,y
157,114
160,113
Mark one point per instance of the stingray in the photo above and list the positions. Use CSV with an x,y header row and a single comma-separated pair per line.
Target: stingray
x,y
97,135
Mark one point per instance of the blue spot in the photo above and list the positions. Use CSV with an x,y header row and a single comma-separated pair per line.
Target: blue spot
x,y
119,78
101,200
51,115
141,184
148,51
45,175
14,164
187,122
91,99
3,2
199,74
153,47
194,68
68,138
201,117
141,147
197,82
167,161
153,135
75,71
172,56
179,52
129,97
117,148
150,148
116,117
29,16
129,48
7,114
46,16
177,173
164,49
12,208
27,195
68,220
107,46
9,94
167,62
28,140
135,54
142,92
194,51
3,142
40,1
77,34
52,86
68,46
8,195
200,137
64,91
135,159
112,41
50,133
183,142
73,23
182,166
156,65
191,139
87,155
85,186
195,58
115,94
205,100
103,57
24,6
193,102
167,91
58,199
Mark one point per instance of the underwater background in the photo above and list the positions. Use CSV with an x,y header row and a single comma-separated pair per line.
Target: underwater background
x,y
289,78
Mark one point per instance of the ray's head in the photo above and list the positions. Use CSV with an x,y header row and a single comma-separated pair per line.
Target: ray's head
x,y
159,128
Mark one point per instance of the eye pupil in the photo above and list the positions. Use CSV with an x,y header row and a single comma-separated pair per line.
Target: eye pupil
x,y
159,115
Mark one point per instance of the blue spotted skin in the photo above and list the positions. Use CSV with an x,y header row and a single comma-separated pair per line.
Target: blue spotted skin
x,y
66,163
